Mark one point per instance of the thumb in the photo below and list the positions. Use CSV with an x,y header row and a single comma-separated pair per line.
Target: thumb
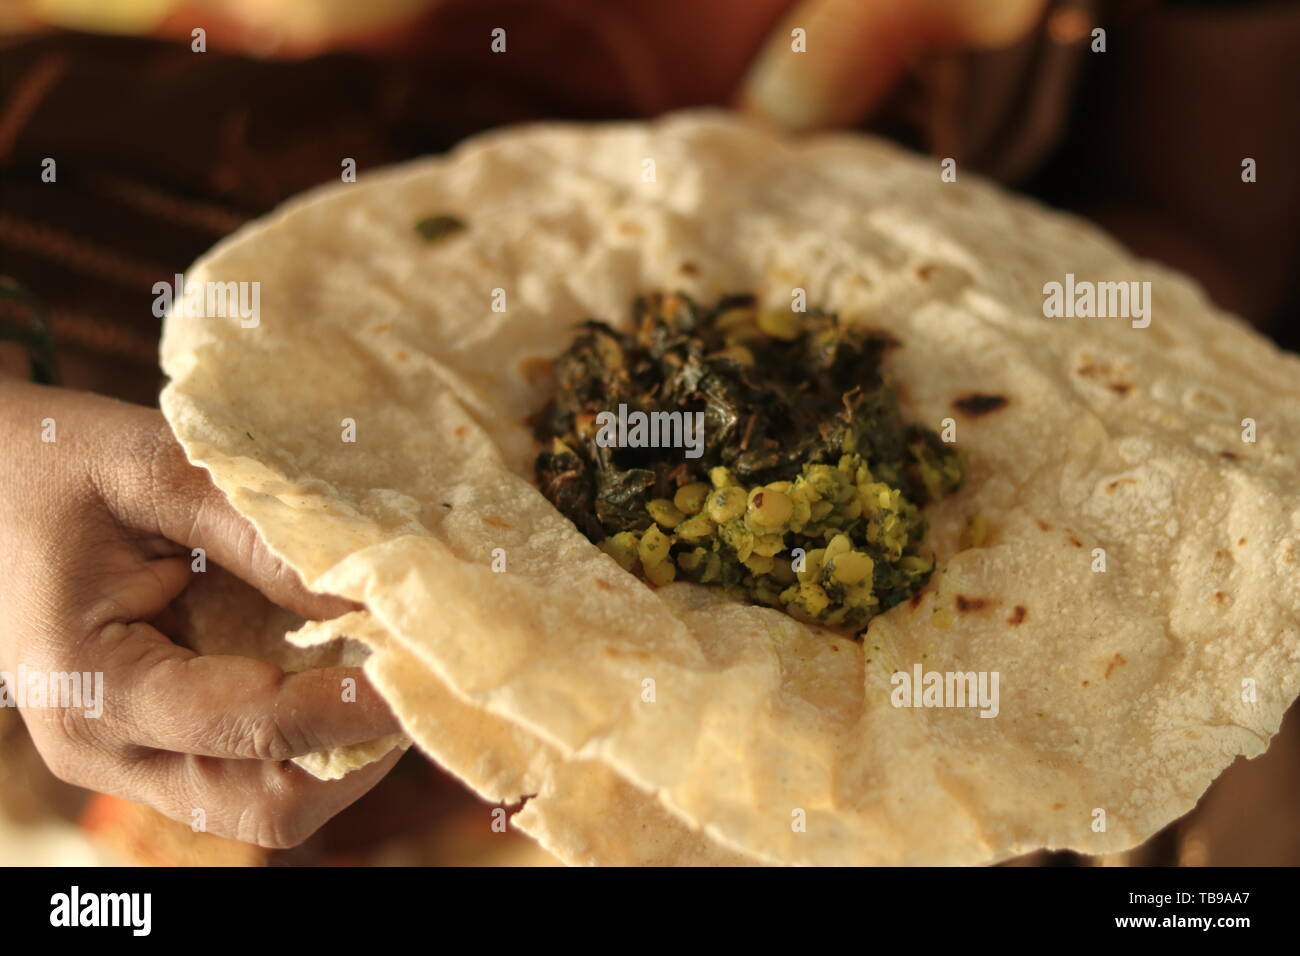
x,y
157,490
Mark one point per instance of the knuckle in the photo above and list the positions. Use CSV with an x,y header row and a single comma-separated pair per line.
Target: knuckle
x,y
259,726
73,750
270,741
72,726
275,829
62,730
263,737
64,761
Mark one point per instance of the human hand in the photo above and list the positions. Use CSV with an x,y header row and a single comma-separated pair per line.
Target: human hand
x,y
96,532
857,51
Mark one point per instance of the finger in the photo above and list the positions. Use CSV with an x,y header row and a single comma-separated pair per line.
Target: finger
x,y
854,52
978,23
167,697
155,488
145,590
268,803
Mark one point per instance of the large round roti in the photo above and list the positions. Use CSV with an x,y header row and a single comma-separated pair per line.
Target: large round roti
x,y
676,725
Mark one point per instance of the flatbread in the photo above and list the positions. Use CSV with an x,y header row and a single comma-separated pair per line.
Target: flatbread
x,y
505,764
734,731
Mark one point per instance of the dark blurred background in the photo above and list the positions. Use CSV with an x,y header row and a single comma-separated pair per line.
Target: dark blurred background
x,y
162,149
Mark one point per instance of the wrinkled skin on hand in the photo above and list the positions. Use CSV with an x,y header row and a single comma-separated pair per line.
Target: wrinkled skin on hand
x,y
96,532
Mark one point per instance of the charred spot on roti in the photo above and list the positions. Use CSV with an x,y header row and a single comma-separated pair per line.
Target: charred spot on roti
x,y
1018,615
440,226
977,404
1113,486
497,521
1229,456
460,431
1043,525
969,605
915,600
401,355
1058,806
1116,661
603,584
629,228
1241,542
537,371
688,269
943,279
1115,376
1220,598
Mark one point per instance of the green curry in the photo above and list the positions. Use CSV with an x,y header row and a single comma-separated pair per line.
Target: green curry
x,y
807,491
